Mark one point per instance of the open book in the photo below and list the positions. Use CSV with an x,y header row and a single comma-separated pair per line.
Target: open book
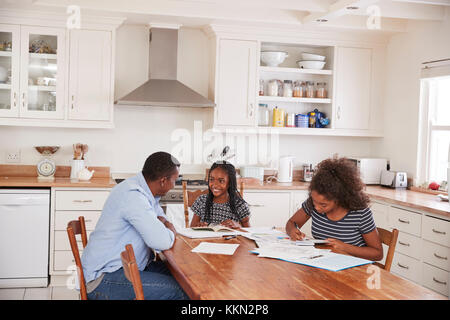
x,y
215,228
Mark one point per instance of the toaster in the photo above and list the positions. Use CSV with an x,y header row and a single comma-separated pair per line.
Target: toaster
x,y
394,179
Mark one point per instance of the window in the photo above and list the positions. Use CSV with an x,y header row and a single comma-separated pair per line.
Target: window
x,y
435,130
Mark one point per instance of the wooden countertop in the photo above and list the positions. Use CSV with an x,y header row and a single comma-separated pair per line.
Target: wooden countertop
x,y
407,198
57,182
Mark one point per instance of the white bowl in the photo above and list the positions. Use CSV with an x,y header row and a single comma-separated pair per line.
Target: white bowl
x,y
312,57
273,58
317,65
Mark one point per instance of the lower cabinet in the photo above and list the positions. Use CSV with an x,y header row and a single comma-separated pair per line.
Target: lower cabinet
x,y
268,209
422,252
67,205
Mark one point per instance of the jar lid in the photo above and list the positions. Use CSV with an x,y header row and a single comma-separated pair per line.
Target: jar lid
x,y
263,105
287,81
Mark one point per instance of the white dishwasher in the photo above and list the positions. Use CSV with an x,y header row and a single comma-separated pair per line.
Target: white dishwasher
x,y
24,237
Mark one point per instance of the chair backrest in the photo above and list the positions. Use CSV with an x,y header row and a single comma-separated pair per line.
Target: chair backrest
x,y
131,271
75,227
189,198
388,238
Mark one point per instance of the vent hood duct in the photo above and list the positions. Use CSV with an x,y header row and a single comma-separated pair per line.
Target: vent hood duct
x,y
163,89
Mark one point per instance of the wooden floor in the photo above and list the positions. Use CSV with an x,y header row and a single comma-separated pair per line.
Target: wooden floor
x,y
49,293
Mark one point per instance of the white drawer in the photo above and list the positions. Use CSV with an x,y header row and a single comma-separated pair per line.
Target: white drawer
x,y
436,230
62,218
63,260
409,245
80,199
407,267
436,279
436,255
406,221
62,241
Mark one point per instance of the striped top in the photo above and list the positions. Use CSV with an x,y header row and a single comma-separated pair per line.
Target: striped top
x,y
349,229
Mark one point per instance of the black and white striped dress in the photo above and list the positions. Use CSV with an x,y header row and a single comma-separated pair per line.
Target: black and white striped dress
x,y
349,229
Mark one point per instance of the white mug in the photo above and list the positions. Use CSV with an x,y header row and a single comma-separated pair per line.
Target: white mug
x,y
76,167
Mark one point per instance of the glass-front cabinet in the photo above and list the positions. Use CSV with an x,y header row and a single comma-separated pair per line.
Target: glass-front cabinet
x,y
42,71
9,70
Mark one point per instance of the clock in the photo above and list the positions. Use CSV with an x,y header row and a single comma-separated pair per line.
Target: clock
x,y
46,169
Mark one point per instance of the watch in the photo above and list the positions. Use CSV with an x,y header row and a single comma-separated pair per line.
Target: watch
x,y
46,168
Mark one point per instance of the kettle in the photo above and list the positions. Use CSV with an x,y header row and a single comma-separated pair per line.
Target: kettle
x,y
85,174
286,169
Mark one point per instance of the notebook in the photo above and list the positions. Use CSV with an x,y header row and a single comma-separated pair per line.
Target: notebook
x,y
332,261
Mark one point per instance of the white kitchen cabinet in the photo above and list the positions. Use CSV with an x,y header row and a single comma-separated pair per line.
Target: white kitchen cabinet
x,y
67,205
353,88
380,215
90,87
235,93
268,209
9,66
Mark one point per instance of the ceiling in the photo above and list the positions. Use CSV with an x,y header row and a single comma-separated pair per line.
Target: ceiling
x,y
389,16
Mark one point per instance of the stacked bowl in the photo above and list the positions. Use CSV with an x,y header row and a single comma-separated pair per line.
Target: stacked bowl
x,y
311,61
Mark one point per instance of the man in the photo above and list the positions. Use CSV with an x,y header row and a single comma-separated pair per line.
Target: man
x,y
132,215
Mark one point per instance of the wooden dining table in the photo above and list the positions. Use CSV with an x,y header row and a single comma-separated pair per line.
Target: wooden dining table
x,y
245,276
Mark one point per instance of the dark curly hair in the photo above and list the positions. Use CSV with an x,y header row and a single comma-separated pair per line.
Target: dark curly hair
x,y
338,180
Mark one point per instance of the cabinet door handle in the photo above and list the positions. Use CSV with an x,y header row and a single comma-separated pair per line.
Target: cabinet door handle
x,y
23,100
250,110
339,112
440,282
15,99
439,232
439,257
403,221
403,244
82,201
402,266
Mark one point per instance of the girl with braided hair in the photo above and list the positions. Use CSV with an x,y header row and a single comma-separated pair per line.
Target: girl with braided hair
x,y
223,204
340,212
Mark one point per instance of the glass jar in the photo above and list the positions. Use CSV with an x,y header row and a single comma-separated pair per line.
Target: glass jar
x,y
321,90
263,115
287,89
302,89
310,91
296,89
272,88
261,87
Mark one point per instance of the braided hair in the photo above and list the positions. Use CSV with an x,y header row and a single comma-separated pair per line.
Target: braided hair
x,y
233,194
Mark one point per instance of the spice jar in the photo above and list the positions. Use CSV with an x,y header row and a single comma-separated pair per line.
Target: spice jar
x,y
272,88
261,87
287,88
321,90
296,91
310,92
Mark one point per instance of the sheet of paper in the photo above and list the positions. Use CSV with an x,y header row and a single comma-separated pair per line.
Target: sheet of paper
x,y
216,248
200,234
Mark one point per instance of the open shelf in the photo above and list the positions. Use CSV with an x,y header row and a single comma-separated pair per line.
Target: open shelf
x,y
292,100
294,70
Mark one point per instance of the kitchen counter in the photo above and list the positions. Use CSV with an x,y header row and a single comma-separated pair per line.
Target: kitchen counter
x,y
57,182
407,198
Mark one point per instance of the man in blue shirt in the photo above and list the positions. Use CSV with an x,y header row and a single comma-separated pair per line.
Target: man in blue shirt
x,y
132,215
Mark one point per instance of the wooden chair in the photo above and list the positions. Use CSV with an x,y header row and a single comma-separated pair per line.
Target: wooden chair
x,y
131,271
389,239
189,198
75,227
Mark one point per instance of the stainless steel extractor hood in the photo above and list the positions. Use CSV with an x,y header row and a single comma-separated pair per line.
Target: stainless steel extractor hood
x,y
163,89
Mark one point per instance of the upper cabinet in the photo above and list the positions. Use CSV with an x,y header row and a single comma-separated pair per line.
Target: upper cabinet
x,y
90,86
353,88
56,76
236,83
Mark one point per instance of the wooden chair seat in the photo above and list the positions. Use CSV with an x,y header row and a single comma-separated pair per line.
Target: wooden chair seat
x,y
131,271
75,227
388,238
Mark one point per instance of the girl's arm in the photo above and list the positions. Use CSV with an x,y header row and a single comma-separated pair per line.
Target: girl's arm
x,y
195,222
299,218
245,222
373,251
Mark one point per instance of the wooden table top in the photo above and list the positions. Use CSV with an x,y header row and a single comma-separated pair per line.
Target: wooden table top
x,y
244,276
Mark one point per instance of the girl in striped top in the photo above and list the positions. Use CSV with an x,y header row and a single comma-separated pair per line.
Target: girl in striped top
x,y
339,210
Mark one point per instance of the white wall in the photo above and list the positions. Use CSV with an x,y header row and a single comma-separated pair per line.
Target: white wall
x,y
139,131
405,54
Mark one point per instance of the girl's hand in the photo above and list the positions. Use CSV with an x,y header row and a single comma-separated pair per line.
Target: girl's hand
x,y
336,244
296,234
231,224
202,224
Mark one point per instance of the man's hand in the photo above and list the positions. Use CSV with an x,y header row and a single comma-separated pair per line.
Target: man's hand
x,y
167,224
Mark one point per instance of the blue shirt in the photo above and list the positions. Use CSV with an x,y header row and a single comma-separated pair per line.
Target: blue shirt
x,y
129,216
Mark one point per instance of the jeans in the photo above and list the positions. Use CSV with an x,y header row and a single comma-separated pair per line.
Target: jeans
x,y
157,282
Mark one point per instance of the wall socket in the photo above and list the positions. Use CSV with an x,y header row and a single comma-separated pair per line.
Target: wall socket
x,y
13,156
